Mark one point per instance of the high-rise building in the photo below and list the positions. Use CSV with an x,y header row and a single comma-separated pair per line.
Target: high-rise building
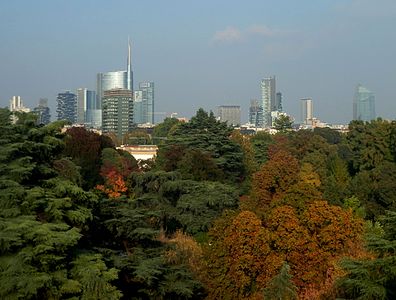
x,y
255,113
88,112
67,106
306,111
116,79
230,114
43,112
144,103
278,102
117,111
363,104
268,94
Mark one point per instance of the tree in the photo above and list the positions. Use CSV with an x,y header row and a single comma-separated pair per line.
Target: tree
x,y
260,144
274,178
283,123
370,143
44,216
162,130
85,147
206,134
280,287
374,277
239,260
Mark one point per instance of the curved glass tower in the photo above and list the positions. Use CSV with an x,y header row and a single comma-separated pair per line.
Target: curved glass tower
x,y
115,80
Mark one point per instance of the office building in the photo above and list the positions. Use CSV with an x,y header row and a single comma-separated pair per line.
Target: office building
x,y
116,79
67,106
117,112
278,102
306,111
144,103
230,114
268,94
363,104
43,112
255,114
88,112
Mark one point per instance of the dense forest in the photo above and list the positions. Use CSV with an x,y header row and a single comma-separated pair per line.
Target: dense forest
x,y
217,215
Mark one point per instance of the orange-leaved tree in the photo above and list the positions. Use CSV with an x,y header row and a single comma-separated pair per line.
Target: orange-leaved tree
x,y
239,259
274,178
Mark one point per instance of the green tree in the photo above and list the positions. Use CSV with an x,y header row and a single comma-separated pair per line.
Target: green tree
x,y
44,215
374,278
281,287
204,133
283,123
162,130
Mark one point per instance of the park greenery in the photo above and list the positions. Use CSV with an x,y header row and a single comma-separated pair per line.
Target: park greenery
x,y
307,214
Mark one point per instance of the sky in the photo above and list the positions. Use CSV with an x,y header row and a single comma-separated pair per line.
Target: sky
x,y
204,53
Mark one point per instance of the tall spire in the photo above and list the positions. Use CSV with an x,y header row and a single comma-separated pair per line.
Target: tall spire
x,y
129,67
129,62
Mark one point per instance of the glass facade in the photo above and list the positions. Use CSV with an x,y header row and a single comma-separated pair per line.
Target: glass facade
x,y
111,80
268,94
363,104
144,103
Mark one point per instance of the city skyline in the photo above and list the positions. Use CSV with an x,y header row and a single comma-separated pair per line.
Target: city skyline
x,y
318,50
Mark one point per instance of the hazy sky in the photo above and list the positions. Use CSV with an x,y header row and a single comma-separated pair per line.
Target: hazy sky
x,y
204,53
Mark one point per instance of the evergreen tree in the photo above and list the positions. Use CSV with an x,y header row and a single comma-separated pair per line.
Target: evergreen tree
x,y
280,286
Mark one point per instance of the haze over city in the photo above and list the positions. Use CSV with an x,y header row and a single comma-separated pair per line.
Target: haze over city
x,y
206,53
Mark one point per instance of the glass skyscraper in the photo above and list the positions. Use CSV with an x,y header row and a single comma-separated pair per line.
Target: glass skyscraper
x,y
268,100
115,80
144,103
363,104
88,112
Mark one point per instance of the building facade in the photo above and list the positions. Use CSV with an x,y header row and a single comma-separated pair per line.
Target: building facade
x,y
67,106
363,104
117,112
144,103
88,112
43,112
255,114
116,79
278,102
230,114
268,100
306,111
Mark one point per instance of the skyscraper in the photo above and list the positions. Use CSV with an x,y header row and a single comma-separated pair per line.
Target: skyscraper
x,y
43,112
268,94
278,102
230,114
144,103
363,104
67,106
255,113
306,111
88,112
117,111
116,79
